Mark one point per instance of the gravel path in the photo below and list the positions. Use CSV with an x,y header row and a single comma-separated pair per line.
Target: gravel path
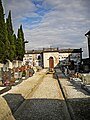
x,y
78,99
45,103
16,96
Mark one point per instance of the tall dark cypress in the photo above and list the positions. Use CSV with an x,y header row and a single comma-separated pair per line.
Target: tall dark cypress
x,y
7,44
10,37
20,45
10,47
2,33
23,42
15,40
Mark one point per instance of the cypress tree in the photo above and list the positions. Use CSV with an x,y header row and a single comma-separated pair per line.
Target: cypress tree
x,y
15,40
20,45
10,37
23,42
7,45
2,33
10,46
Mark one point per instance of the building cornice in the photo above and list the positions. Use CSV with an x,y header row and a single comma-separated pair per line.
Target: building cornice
x,y
54,50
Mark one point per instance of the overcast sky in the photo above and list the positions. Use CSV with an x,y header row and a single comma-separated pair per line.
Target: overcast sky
x,y
51,23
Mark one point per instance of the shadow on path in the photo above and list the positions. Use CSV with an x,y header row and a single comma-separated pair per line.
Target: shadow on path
x,y
47,109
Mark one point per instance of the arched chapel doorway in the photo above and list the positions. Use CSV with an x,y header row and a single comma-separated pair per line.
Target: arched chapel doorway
x,y
51,64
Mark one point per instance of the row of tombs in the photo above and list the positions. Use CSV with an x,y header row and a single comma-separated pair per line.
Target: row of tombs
x,y
16,74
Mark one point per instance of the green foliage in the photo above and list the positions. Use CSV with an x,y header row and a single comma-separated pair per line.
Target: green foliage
x,y
7,44
10,47
20,45
2,34
15,39
10,37
23,44
2,48
9,28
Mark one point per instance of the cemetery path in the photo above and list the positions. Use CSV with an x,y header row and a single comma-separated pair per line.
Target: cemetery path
x,y
45,103
41,98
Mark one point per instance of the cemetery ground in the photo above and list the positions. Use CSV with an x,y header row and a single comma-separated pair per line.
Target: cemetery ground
x,y
47,97
77,96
